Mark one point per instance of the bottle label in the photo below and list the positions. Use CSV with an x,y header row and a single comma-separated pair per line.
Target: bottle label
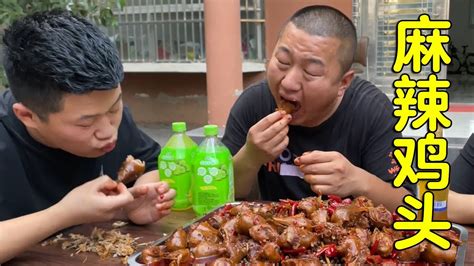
x,y
174,168
440,206
177,172
212,179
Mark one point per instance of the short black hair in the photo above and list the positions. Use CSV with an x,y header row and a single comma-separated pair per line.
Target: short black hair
x,y
49,54
326,21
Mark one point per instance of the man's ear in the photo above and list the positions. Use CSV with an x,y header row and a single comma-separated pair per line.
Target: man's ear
x,y
345,82
29,118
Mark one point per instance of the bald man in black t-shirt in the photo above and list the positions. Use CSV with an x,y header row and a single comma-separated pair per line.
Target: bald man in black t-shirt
x,y
338,137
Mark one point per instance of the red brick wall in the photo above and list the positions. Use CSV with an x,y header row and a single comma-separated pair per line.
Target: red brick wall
x,y
168,97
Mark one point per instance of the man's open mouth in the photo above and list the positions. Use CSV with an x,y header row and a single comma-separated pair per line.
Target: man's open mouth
x,y
289,106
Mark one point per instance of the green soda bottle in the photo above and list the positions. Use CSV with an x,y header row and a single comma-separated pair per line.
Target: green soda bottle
x,y
213,183
175,164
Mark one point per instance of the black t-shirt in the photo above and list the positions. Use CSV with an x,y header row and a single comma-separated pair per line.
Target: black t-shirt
x,y
462,169
34,177
361,129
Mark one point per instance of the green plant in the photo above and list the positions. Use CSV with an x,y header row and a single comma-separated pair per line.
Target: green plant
x,y
99,11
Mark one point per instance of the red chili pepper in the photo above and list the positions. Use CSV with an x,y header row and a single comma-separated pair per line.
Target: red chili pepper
x,y
395,216
330,210
289,201
375,259
331,252
328,250
293,209
347,201
227,208
292,204
373,248
336,205
293,251
278,209
335,198
394,254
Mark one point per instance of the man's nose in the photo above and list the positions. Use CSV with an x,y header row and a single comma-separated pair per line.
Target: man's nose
x,y
292,80
105,130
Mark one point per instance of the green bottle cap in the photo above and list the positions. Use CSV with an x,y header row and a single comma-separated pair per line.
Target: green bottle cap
x,y
178,127
210,130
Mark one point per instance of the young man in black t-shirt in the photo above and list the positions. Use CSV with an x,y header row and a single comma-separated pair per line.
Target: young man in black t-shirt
x,y
337,140
64,133
461,194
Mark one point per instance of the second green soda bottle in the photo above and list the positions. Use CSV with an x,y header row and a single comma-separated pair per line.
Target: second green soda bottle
x,y
213,183
175,164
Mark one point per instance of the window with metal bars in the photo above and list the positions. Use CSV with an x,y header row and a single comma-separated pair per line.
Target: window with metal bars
x,y
378,20
172,31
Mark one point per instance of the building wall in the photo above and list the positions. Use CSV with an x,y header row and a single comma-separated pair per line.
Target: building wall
x,y
168,97
461,32
276,16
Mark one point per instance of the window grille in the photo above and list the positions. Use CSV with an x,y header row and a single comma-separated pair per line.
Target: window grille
x,y
172,31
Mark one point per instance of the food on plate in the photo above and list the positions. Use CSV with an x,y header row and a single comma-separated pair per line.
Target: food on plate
x,y
130,170
311,231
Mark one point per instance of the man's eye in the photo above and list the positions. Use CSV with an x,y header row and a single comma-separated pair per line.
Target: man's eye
x,y
283,62
312,74
114,111
84,126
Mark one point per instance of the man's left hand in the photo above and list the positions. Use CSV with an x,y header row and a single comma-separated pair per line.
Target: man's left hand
x,y
152,201
330,173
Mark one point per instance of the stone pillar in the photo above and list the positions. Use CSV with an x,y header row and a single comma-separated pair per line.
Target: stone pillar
x,y
223,57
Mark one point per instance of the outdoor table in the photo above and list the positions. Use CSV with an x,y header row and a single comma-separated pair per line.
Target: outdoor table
x,y
54,255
